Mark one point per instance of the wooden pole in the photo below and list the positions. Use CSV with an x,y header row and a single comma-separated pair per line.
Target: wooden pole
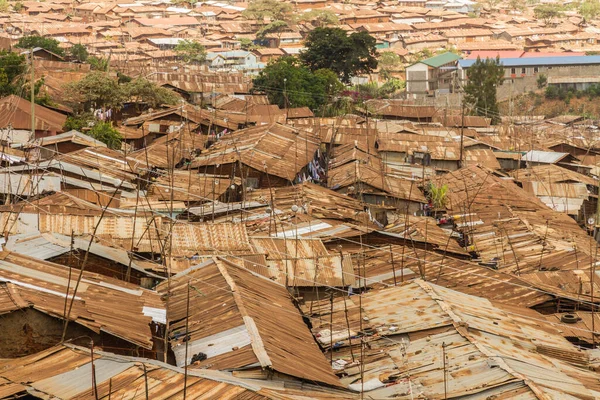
x,y
94,386
187,340
32,97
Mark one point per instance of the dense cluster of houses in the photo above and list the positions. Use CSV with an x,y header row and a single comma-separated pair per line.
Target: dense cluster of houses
x,y
232,249
245,251
145,32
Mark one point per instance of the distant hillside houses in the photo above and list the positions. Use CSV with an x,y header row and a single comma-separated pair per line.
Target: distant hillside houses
x,y
444,74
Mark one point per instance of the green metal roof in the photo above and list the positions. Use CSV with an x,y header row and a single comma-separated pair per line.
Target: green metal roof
x,y
441,59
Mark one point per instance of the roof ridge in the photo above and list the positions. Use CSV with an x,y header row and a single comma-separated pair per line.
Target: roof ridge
x,y
462,329
256,341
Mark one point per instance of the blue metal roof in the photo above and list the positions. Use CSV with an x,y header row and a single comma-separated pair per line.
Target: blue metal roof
x,y
540,61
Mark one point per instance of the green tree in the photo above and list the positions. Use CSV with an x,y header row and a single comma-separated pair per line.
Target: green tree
x,y
589,9
98,63
78,52
287,82
333,49
480,91
30,42
190,51
97,90
542,81
272,9
143,91
274,27
107,134
12,66
388,62
318,18
79,121
548,12
517,5
247,44
18,6
4,6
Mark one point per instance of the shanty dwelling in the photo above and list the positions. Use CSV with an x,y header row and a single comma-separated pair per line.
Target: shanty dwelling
x,y
538,157
398,110
263,156
116,315
155,124
454,346
43,54
561,189
304,265
66,142
96,169
380,189
15,120
440,153
64,372
509,160
431,76
238,320
587,153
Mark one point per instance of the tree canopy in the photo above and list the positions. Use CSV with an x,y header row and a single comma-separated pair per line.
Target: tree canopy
x,y
388,62
589,9
480,91
98,89
149,93
318,18
102,90
272,9
12,66
30,42
548,12
78,52
190,51
273,27
107,134
289,83
98,63
347,56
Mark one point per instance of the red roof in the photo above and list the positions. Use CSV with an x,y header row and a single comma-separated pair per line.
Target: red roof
x,y
557,54
518,54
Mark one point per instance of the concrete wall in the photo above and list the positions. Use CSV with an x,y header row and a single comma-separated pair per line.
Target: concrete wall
x,y
417,78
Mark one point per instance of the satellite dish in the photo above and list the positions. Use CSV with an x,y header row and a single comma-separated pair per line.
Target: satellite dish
x,y
591,221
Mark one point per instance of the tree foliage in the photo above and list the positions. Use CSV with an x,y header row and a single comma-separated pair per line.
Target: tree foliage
x,y
388,62
107,134
589,9
548,12
4,6
78,52
144,91
480,91
102,90
318,18
347,56
272,9
97,90
190,51
12,66
79,121
287,82
274,27
98,63
517,5
247,44
30,42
